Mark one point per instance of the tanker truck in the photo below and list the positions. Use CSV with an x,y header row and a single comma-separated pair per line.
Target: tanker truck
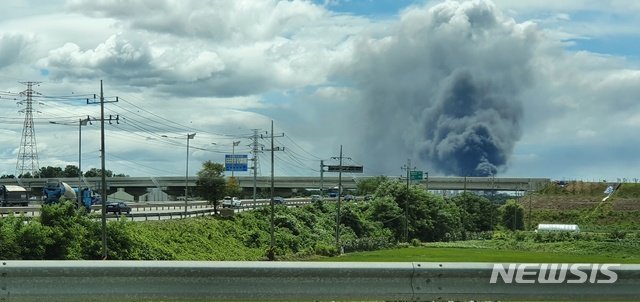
x,y
86,197
55,189
13,196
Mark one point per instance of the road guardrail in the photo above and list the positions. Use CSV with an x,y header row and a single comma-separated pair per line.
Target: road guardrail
x,y
146,209
300,281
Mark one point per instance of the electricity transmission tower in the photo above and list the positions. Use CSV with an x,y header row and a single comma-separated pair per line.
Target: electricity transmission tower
x,y
28,153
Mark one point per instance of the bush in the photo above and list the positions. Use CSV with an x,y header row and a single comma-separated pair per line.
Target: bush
x,y
538,237
500,236
33,237
617,234
573,237
402,245
415,242
366,244
325,250
9,247
520,236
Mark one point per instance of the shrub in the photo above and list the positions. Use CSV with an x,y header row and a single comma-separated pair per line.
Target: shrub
x,y
415,242
367,244
538,237
617,234
325,250
402,245
33,238
9,247
520,236
500,236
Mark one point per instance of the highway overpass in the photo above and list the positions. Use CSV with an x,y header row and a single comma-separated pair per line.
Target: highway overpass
x,y
174,185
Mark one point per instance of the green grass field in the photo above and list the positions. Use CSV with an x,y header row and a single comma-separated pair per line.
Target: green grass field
x,y
448,254
468,254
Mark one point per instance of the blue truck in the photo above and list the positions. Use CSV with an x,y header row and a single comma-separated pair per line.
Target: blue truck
x,y
54,190
333,192
87,198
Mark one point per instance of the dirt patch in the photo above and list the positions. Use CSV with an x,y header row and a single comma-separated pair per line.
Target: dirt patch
x,y
578,195
626,205
567,203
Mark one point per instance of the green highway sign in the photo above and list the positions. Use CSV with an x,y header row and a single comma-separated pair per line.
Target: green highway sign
x,y
415,175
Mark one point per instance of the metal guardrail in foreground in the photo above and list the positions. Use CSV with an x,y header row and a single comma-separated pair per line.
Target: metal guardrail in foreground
x,y
262,281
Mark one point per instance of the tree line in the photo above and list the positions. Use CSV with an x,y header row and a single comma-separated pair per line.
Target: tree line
x,y
397,213
68,172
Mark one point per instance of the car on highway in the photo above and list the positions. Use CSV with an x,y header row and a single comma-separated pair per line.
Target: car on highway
x,y
368,197
117,207
350,197
315,198
279,200
231,202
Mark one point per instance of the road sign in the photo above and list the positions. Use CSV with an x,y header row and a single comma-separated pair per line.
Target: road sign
x,y
239,164
346,169
415,175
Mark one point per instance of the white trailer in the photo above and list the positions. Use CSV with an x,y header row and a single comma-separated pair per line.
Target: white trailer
x,y
543,227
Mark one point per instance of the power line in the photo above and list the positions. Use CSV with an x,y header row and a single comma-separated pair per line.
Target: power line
x,y
317,158
138,164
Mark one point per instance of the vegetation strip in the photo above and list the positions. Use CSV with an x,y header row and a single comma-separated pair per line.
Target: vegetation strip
x,y
478,223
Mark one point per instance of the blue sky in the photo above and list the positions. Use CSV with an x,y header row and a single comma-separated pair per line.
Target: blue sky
x,y
624,44
621,45
373,8
542,88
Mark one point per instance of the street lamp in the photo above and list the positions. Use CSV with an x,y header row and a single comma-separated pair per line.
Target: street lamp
x,y
186,176
233,157
81,122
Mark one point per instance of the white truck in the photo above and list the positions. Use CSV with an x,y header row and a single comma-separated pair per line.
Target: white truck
x,y
231,202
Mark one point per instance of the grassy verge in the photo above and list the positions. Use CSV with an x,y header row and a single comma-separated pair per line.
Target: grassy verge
x,y
464,254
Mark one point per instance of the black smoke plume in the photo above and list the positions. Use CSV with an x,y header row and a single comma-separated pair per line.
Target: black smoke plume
x,y
444,86
470,130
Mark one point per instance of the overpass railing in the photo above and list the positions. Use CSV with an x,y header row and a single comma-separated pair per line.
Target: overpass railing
x,y
168,209
301,281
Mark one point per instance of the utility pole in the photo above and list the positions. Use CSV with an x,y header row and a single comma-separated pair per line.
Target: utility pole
x,y
406,201
529,220
103,186
427,177
338,208
322,178
28,152
339,199
515,217
465,183
271,254
255,150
